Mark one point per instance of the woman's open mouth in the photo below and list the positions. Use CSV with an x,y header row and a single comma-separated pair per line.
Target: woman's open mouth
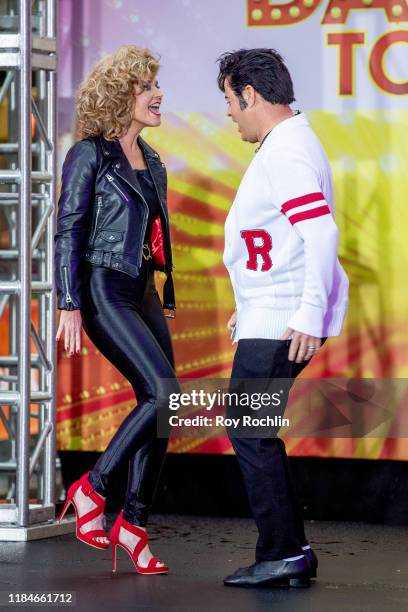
x,y
155,109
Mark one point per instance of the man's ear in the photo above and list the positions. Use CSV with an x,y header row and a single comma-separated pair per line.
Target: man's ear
x,y
249,95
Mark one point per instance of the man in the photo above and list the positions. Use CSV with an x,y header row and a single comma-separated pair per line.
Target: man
x,y
290,290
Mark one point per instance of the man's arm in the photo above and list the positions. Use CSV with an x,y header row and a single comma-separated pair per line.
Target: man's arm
x,y
297,193
320,238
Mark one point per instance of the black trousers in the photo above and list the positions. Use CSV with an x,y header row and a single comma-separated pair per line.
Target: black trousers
x,y
123,317
263,461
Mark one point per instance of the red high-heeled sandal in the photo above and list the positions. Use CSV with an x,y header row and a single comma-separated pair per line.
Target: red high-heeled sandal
x,y
87,489
152,567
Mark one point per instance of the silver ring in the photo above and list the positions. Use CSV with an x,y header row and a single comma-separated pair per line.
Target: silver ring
x,y
312,348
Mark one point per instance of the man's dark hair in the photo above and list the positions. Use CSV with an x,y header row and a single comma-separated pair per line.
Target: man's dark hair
x,y
264,69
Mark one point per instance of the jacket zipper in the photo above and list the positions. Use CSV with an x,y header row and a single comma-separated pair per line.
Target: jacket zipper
x,y
143,234
98,210
68,298
112,181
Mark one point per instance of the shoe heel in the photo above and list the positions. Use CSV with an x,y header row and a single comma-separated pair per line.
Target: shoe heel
x,y
114,558
65,508
299,582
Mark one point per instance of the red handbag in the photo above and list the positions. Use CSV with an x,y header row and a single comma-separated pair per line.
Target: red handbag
x,y
157,242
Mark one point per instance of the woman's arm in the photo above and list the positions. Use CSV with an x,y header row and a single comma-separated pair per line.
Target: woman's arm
x,y
77,191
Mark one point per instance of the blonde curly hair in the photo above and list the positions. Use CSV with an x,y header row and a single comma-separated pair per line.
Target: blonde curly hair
x,y
106,98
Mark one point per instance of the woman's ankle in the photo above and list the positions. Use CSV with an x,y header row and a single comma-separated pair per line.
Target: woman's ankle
x,y
134,521
103,497
96,484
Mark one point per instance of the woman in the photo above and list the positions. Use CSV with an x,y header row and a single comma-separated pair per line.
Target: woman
x,y
112,233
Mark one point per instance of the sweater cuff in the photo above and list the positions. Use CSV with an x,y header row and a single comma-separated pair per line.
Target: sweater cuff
x,y
309,320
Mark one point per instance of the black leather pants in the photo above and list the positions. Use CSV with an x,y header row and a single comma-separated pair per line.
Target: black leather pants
x,y
124,319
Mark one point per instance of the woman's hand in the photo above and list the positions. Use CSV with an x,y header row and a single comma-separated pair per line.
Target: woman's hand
x,y
71,324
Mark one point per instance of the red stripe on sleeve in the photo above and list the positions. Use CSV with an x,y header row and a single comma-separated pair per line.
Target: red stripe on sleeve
x,y
310,214
306,199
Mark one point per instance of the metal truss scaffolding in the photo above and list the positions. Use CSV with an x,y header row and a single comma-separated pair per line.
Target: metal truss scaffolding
x,y
27,223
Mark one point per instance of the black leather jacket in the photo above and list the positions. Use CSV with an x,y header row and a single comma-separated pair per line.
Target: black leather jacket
x,y
102,217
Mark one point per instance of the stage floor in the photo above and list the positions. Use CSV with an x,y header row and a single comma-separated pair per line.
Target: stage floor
x,y
362,568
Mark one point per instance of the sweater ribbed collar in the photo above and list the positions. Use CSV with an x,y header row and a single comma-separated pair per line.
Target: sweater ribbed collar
x,y
298,118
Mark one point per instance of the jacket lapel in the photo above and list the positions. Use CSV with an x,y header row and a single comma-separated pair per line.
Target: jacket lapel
x,y
156,169
121,167
119,162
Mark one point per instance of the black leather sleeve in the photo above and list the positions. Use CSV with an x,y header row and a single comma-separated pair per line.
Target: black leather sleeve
x,y
73,221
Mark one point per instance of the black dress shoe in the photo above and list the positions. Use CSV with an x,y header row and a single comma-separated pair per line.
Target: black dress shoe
x,y
312,560
272,573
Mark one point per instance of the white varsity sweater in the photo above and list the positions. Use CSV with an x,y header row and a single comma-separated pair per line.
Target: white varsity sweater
x,y
281,239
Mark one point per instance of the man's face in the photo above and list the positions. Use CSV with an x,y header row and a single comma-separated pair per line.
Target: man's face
x,y
241,117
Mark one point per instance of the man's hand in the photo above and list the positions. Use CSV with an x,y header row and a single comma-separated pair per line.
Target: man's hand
x,y
302,346
232,321
70,323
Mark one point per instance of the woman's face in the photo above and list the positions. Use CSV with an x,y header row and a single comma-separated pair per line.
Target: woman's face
x,y
147,106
